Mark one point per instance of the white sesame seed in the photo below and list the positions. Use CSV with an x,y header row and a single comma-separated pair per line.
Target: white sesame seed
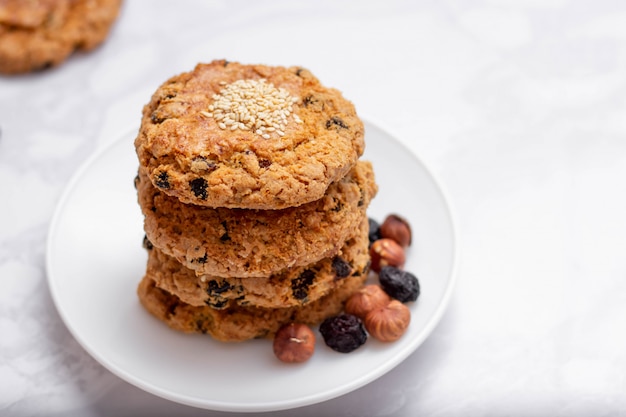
x,y
254,105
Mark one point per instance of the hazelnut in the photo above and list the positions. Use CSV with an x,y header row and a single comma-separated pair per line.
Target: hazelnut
x,y
388,323
365,300
294,342
386,252
396,228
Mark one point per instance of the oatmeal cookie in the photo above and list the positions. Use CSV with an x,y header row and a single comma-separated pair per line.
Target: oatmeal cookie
x,y
294,287
247,136
38,34
238,323
256,243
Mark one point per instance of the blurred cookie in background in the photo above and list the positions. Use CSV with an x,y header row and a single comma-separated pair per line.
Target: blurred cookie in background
x,y
39,34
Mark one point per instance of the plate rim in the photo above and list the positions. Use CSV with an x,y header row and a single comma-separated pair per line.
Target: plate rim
x,y
315,398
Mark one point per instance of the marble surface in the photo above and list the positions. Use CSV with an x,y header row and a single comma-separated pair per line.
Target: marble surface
x,y
517,105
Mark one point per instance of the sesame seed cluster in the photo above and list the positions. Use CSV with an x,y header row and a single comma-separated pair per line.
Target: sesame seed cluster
x,y
254,105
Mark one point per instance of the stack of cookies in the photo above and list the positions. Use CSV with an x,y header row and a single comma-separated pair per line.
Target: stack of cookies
x,y
254,200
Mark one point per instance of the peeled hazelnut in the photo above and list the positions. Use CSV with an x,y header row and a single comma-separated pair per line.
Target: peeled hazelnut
x,y
365,300
396,228
388,323
386,252
294,342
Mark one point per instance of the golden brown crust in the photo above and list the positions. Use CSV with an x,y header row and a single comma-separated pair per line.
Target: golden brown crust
x,y
39,34
256,243
294,287
190,157
235,324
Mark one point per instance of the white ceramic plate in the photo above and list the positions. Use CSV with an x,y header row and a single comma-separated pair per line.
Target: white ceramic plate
x,y
95,261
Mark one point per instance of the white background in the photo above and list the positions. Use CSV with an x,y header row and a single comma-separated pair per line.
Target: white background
x,y
518,106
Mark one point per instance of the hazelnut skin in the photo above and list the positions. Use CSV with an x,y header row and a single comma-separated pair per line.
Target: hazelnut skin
x,y
396,228
388,323
386,252
365,300
294,343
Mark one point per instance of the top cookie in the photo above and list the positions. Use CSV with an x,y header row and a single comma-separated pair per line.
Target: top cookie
x,y
247,136
38,34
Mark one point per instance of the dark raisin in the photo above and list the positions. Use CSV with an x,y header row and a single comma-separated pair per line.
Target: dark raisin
x,y
374,233
199,186
300,286
399,284
162,180
342,268
214,288
338,206
136,181
336,121
146,243
225,237
201,260
343,333
217,304
156,118
309,100
264,163
299,71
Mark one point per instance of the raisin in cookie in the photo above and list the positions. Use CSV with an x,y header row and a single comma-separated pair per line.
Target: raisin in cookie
x,y
256,243
37,34
247,136
294,287
237,323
